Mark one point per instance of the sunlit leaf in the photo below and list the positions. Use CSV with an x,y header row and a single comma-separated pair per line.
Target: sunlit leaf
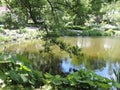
x,y
48,76
2,75
24,78
23,67
56,82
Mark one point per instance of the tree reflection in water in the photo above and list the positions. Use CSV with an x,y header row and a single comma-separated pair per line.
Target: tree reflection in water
x,y
58,65
100,55
46,62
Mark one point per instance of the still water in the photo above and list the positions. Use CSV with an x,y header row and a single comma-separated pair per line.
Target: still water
x,y
100,54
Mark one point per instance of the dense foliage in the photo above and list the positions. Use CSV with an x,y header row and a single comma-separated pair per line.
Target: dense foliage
x,y
16,71
55,14
55,17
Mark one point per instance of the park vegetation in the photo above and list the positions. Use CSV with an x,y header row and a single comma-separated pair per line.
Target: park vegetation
x,y
56,18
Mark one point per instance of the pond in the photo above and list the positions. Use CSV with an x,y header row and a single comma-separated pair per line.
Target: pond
x,y
100,54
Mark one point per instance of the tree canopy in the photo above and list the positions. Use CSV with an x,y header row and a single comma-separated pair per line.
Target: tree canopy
x,y
55,14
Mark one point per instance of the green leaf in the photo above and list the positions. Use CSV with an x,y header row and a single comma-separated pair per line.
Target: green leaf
x,y
91,83
56,82
32,82
23,59
14,76
2,75
5,61
103,85
48,76
23,67
37,74
116,85
24,78
65,81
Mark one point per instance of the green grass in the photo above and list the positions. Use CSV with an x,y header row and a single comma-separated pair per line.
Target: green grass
x,y
5,39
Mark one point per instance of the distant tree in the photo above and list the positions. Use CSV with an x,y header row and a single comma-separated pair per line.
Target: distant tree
x,y
112,12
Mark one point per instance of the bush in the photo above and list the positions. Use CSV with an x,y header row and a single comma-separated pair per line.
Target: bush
x,y
9,22
1,30
111,31
12,21
77,27
5,39
70,33
22,30
62,33
54,34
95,33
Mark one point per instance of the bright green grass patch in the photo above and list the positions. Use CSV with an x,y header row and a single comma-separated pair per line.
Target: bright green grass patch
x,y
5,39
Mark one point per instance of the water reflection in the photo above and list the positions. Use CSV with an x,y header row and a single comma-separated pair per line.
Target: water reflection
x,y
83,43
98,65
68,67
100,54
45,62
104,71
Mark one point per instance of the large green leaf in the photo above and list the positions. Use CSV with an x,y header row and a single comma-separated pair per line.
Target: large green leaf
x,y
117,85
91,83
48,76
2,75
65,81
14,76
56,81
104,85
22,58
23,67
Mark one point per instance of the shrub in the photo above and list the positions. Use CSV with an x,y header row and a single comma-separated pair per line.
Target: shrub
x,y
1,30
111,31
5,39
54,34
77,27
9,22
70,33
22,30
62,33
13,21
94,33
